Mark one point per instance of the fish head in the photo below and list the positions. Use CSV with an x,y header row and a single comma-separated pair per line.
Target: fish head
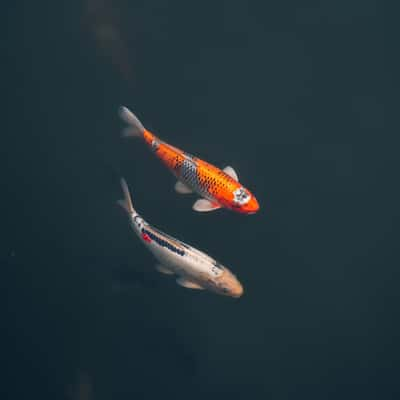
x,y
228,285
251,207
244,201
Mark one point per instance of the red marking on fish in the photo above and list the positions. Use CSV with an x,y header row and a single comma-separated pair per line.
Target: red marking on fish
x,y
146,237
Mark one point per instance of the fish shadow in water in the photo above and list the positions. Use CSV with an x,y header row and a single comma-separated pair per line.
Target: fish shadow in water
x,y
125,279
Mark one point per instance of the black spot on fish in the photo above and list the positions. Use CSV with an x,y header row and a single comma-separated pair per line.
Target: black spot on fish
x,y
163,243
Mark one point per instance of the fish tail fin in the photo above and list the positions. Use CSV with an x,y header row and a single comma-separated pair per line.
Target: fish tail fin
x,y
126,202
135,127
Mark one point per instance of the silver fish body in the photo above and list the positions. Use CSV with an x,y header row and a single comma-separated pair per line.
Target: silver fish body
x,y
194,268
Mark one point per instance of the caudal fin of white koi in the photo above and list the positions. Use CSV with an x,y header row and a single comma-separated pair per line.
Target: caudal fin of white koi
x,y
126,202
135,128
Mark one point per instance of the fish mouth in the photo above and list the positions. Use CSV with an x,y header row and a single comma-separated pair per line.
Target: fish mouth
x,y
251,207
251,212
229,289
237,291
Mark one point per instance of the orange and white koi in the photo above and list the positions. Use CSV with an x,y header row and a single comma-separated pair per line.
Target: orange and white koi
x,y
194,268
218,188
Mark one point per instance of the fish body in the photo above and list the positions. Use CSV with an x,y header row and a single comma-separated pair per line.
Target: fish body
x,y
217,188
194,268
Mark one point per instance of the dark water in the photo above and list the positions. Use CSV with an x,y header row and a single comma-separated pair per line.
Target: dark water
x,y
293,96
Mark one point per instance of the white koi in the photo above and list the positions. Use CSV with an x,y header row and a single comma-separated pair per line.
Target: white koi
x,y
194,268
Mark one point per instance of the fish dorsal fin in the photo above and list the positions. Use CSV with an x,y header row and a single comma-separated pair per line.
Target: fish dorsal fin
x,y
182,188
188,284
231,172
203,205
163,270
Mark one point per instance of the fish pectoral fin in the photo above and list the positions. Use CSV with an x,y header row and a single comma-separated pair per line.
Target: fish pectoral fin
x,y
203,205
163,270
231,172
182,188
188,284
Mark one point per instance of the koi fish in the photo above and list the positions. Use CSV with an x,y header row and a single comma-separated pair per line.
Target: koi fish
x,y
217,188
194,269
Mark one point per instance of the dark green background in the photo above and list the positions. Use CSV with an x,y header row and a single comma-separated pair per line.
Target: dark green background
x,y
292,94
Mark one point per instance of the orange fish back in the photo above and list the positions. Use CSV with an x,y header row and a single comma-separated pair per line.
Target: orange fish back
x,y
216,182
204,178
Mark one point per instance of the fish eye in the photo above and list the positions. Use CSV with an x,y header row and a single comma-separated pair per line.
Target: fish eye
x,y
155,145
217,268
218,265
